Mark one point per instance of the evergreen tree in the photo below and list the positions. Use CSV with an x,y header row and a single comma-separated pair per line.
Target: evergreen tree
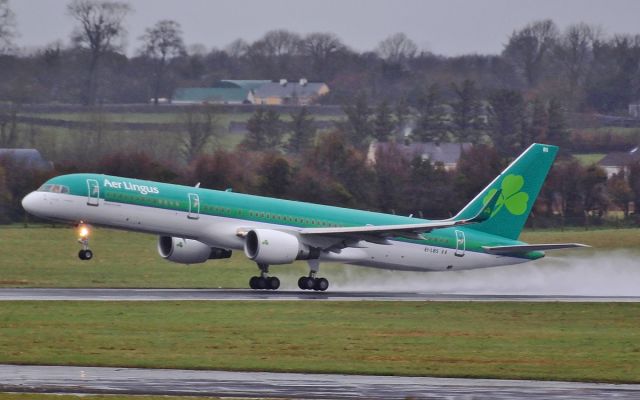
x,y
257,137
359,126
383,123
507,120
557,133
273,129
430,123
468,122
302,131
265,130
539,125
275,176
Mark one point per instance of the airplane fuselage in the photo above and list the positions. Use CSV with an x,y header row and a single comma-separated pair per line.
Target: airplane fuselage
x,y
219,219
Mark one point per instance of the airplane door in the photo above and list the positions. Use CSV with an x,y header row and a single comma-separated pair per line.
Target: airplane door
x,y
93,191
194,206
460,244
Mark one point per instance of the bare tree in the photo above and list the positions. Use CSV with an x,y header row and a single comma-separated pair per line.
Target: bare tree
x,y
528,48
101,25
574,53
281,42
237,49
7,26
321,48
201,125
274,53
162,42
397,48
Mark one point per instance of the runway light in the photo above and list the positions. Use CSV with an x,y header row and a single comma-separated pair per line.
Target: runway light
x,y
83,231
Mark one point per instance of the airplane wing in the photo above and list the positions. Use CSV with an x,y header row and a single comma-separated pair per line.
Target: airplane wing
x,y
379,233
525,248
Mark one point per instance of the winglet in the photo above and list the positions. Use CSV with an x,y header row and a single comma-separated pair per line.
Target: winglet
x,y
487,210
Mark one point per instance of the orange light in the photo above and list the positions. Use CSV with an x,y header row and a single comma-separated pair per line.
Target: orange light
x,y
84,231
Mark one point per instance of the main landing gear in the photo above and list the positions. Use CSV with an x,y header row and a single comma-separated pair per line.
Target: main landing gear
x,y
264,281
86,253
312,282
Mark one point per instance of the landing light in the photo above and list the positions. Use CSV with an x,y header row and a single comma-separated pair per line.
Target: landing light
x,y
83,231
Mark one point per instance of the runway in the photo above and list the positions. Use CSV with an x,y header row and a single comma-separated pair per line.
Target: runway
x,y
44,294
55,379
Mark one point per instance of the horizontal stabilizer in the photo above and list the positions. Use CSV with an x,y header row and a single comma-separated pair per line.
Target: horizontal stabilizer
x,y
525,248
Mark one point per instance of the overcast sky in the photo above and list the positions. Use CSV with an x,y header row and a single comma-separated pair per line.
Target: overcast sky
x,y
448,27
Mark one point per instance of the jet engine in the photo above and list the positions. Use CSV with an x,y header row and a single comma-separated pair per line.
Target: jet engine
x,y
268,246
188,251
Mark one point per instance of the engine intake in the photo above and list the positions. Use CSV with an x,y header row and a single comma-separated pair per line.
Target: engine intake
x,y
188,251
268,246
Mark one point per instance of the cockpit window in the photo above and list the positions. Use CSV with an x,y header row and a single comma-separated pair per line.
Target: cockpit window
x,y
53,188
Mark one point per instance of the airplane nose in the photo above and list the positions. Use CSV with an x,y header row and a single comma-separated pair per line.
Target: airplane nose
x,y
30,202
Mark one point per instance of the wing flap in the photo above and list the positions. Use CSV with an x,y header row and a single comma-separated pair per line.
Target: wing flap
x,y
525,248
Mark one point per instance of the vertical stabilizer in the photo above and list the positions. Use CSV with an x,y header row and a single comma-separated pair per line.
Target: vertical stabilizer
x,y
520,184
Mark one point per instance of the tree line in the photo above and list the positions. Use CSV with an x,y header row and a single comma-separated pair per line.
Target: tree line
x,y
587,68
331,170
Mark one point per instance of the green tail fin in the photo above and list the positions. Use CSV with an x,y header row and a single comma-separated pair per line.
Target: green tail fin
x,y
520,184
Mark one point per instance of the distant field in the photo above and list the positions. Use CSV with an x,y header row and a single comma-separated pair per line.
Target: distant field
x,y
589,158
549,341
618,130
161,118
47,257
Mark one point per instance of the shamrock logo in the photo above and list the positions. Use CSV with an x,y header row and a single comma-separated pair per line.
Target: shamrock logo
x,y
511,196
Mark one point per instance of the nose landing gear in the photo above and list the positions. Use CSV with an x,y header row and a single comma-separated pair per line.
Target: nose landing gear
x,y
86,253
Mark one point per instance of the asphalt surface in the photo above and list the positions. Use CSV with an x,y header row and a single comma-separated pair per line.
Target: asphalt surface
x,y
245,295
56,379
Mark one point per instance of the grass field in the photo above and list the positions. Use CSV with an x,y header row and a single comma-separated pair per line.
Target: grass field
x,y
47,257
556,341
559,341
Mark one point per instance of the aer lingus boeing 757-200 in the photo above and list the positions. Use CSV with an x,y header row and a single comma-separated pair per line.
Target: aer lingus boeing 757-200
x,y
196,224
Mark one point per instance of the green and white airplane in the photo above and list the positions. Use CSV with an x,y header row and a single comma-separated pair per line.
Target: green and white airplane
x,y
195,224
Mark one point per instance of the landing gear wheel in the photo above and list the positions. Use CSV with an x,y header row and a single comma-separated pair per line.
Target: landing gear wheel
x,y
273,283
321,284
253,282
262,283
306,283
85,254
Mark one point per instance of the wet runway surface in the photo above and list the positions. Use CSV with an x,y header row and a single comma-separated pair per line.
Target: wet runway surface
x,y
246,295
54,379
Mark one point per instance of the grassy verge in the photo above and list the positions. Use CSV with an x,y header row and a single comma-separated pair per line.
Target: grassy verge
x,y
554,341
47,257
599,239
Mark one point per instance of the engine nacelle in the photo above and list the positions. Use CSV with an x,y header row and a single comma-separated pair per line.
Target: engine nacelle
x,y
268,246
188,251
